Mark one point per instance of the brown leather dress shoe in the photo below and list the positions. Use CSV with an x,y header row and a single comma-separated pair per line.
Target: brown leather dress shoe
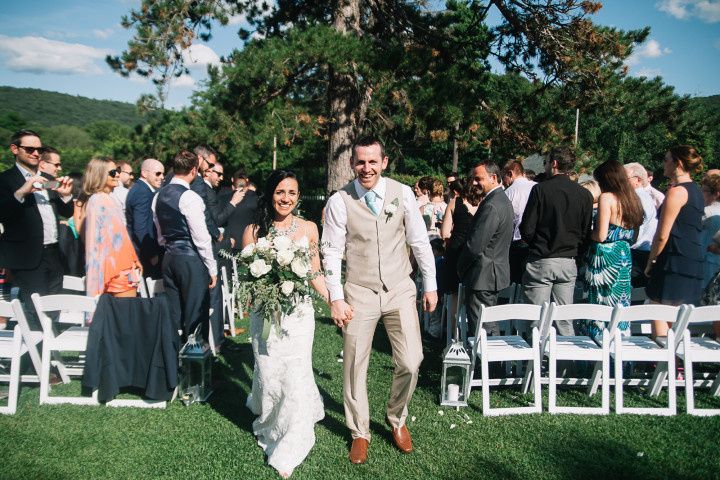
x,y
401,437
358,451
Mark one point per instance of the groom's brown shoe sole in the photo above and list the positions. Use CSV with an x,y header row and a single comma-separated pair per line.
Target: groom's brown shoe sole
x,y
358,451
401,437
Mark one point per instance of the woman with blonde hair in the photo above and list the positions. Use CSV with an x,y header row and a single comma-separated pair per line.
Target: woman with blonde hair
x,y
434,210
675,264
111,263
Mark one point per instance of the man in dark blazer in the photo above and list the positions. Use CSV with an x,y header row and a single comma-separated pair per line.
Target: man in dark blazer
x,y
138,213
29,213
483,266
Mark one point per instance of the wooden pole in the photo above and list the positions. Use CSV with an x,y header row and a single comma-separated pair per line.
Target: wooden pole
x,y
577,124
275,152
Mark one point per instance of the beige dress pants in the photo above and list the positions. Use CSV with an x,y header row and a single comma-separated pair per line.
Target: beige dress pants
x,y
398,311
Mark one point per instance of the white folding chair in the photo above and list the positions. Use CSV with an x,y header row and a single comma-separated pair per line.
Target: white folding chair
x,y
154,287
76,284
700,350
639,348
30,339
142,288
228,302
72,339
507,348
580,348
11,348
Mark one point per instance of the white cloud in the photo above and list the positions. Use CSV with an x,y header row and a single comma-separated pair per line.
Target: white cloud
x,y
706,10
41,55
104,33
648,73
183,81
237,19
649,49
199,56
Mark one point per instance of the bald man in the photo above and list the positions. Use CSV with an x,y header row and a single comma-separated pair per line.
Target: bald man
x,y
140,218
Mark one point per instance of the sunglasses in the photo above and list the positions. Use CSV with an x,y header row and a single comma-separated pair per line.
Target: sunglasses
x,y
32,150
128,172
57,165
219,174
114,173
157,174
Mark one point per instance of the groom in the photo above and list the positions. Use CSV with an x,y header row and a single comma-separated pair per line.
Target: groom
x,y
372,221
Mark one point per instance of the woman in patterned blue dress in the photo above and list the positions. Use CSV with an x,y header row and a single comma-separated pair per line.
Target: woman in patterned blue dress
x,y
607,278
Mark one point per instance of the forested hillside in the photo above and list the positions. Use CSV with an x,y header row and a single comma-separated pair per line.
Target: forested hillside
x,y
52,108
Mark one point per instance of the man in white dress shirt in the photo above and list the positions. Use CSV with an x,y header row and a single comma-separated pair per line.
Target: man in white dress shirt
x,y
372,221
517,189
189,268
640,251
120,192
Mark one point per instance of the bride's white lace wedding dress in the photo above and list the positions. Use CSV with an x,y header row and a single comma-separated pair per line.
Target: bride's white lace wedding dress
x,y
284,394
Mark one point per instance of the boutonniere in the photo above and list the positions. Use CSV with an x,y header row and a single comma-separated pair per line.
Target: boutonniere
x,y
391,208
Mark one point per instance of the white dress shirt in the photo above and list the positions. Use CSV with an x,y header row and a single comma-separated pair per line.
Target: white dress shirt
x,y
650,221
518,193
193,208
47,214
120,194
334,230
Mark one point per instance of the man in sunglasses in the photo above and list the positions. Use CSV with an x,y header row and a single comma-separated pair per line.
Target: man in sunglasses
x,y
29,212
140,219
125,181
50,162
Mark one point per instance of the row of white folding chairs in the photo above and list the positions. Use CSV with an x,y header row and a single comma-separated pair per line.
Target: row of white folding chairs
x,y
70,309
611,346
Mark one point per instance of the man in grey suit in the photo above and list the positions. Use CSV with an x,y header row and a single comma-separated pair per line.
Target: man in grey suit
x,y
483,266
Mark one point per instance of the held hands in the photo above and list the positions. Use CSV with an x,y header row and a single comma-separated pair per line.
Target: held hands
x,y
341,312
430,300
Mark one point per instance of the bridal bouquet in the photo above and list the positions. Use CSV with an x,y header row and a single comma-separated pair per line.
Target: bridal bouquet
x,y
273,275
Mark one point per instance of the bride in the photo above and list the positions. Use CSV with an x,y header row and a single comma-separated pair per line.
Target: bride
x,y
284,394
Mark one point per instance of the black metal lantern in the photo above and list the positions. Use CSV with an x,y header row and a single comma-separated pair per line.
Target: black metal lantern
x,y
195,371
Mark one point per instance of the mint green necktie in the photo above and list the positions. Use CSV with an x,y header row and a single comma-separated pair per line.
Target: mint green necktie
x,y
370,201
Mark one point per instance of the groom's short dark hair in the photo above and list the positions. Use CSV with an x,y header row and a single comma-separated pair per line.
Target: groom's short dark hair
x,y
368,141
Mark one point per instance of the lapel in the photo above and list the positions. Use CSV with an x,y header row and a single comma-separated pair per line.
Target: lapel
x,y
19,180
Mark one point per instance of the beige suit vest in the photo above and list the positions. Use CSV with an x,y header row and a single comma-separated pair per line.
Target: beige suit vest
x,y
375,247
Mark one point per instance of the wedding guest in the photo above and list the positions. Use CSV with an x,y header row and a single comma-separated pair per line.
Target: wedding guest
x,y
125,181
657,196
374,221
640,250
607,278
484,265
710,186
556,225
517,189
138,214
456,226
29,214
530,174
50,163
111,264
189,268
434,210
675,263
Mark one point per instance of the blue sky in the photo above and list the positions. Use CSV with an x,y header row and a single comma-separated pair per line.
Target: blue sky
x,y
60,45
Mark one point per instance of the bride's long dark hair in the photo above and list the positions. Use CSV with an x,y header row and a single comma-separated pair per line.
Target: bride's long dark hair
x,y
265,213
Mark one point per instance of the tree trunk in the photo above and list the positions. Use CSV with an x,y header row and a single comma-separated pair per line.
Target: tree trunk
x,y
455,148
347,103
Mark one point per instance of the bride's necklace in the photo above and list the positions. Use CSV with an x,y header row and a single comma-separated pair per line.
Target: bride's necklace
x,y
287,231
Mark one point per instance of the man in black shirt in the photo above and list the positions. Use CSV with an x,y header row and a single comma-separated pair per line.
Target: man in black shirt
x,y
556,225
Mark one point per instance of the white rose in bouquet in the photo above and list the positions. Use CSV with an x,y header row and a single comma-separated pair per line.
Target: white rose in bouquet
x,y
284,257
248,251
300,267
287,287
258,268
282,242
262,245
303,243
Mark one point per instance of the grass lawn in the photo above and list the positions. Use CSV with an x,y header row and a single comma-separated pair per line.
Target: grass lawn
x,y
214,440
